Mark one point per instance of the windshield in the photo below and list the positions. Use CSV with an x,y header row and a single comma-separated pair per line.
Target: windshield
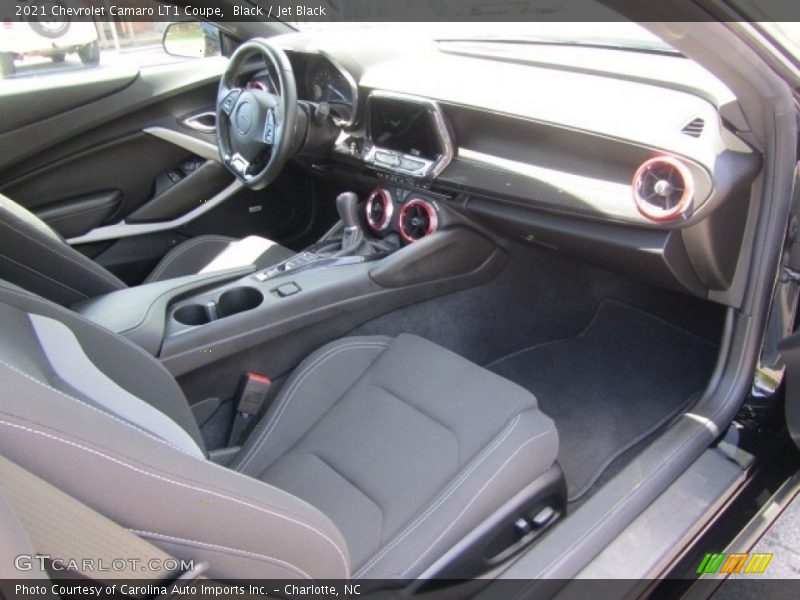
x,y
623,35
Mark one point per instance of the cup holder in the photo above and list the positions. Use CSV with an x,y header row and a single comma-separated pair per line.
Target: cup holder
x,y
238,300
192,314
230,303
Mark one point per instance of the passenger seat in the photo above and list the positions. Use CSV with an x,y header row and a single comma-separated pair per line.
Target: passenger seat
x,y
379,458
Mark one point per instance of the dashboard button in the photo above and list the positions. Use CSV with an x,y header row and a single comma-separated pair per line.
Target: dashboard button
x,y
387,159
411,165
230,101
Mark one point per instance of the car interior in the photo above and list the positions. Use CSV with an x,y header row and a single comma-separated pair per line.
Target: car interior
x,y
334,307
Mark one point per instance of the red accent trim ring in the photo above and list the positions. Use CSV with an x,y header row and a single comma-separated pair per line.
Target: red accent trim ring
x,y
258,377
653,212
256,84
383,196
433,219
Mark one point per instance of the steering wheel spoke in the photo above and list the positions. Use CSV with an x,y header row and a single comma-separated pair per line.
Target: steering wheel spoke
x,y
239,164
229,99
255,126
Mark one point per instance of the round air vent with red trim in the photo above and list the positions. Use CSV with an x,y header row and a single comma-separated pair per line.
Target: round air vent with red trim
x,y
379,209
663,188
417,219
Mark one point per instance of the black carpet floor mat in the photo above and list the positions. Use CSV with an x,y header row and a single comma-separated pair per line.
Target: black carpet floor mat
x,y
625,376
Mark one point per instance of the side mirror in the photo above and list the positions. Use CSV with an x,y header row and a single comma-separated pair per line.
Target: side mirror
x,y
191,39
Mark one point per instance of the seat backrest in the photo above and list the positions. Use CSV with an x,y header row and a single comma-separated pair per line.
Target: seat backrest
x,y
37,259
100,419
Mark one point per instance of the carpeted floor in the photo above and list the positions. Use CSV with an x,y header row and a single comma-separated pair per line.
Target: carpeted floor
x,y
625,376
631,369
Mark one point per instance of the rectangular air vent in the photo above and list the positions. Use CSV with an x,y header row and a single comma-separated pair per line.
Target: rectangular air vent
x,y
694,127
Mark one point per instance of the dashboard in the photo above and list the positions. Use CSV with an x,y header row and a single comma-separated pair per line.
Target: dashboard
x,y
632,163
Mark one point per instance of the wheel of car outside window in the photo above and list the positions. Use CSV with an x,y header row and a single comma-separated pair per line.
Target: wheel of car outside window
x,y
256,126
90,54
47,28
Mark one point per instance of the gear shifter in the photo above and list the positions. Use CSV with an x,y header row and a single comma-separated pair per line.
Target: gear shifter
x,y
353,235
353,247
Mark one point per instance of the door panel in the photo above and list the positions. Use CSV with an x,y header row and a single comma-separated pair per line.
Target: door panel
x,y
182,189
80,215
25,103
157,95
128,175
83,167
129,165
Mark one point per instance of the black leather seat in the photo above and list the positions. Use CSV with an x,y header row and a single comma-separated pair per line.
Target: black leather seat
x,y
35,257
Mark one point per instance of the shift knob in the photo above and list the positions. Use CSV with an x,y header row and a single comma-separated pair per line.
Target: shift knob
x,y
347,205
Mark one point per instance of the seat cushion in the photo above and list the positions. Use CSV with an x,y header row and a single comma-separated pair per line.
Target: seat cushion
x,y
208,253
403,444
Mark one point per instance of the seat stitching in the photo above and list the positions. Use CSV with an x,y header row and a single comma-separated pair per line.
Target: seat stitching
x,y
300,378
183,485
93,408
449,492
136,428
420,411
86,267
357,488
40,274
474,498
131,425
188,542
181,249
347,479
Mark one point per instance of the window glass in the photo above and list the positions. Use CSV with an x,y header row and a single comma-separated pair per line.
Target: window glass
x,y
40,48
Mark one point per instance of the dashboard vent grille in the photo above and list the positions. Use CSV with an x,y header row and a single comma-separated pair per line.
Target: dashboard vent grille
x,y
663,188
694,127
417,219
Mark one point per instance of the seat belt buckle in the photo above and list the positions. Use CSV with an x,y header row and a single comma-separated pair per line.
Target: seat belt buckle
x,y
249,401
252,393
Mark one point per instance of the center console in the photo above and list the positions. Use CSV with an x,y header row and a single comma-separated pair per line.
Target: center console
x,y
289,310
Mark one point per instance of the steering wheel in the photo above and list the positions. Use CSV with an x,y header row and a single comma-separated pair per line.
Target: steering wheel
x,y
256,126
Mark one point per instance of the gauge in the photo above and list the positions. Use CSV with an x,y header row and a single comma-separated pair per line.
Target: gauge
x,y
322,84
256,84
262,81
325,82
